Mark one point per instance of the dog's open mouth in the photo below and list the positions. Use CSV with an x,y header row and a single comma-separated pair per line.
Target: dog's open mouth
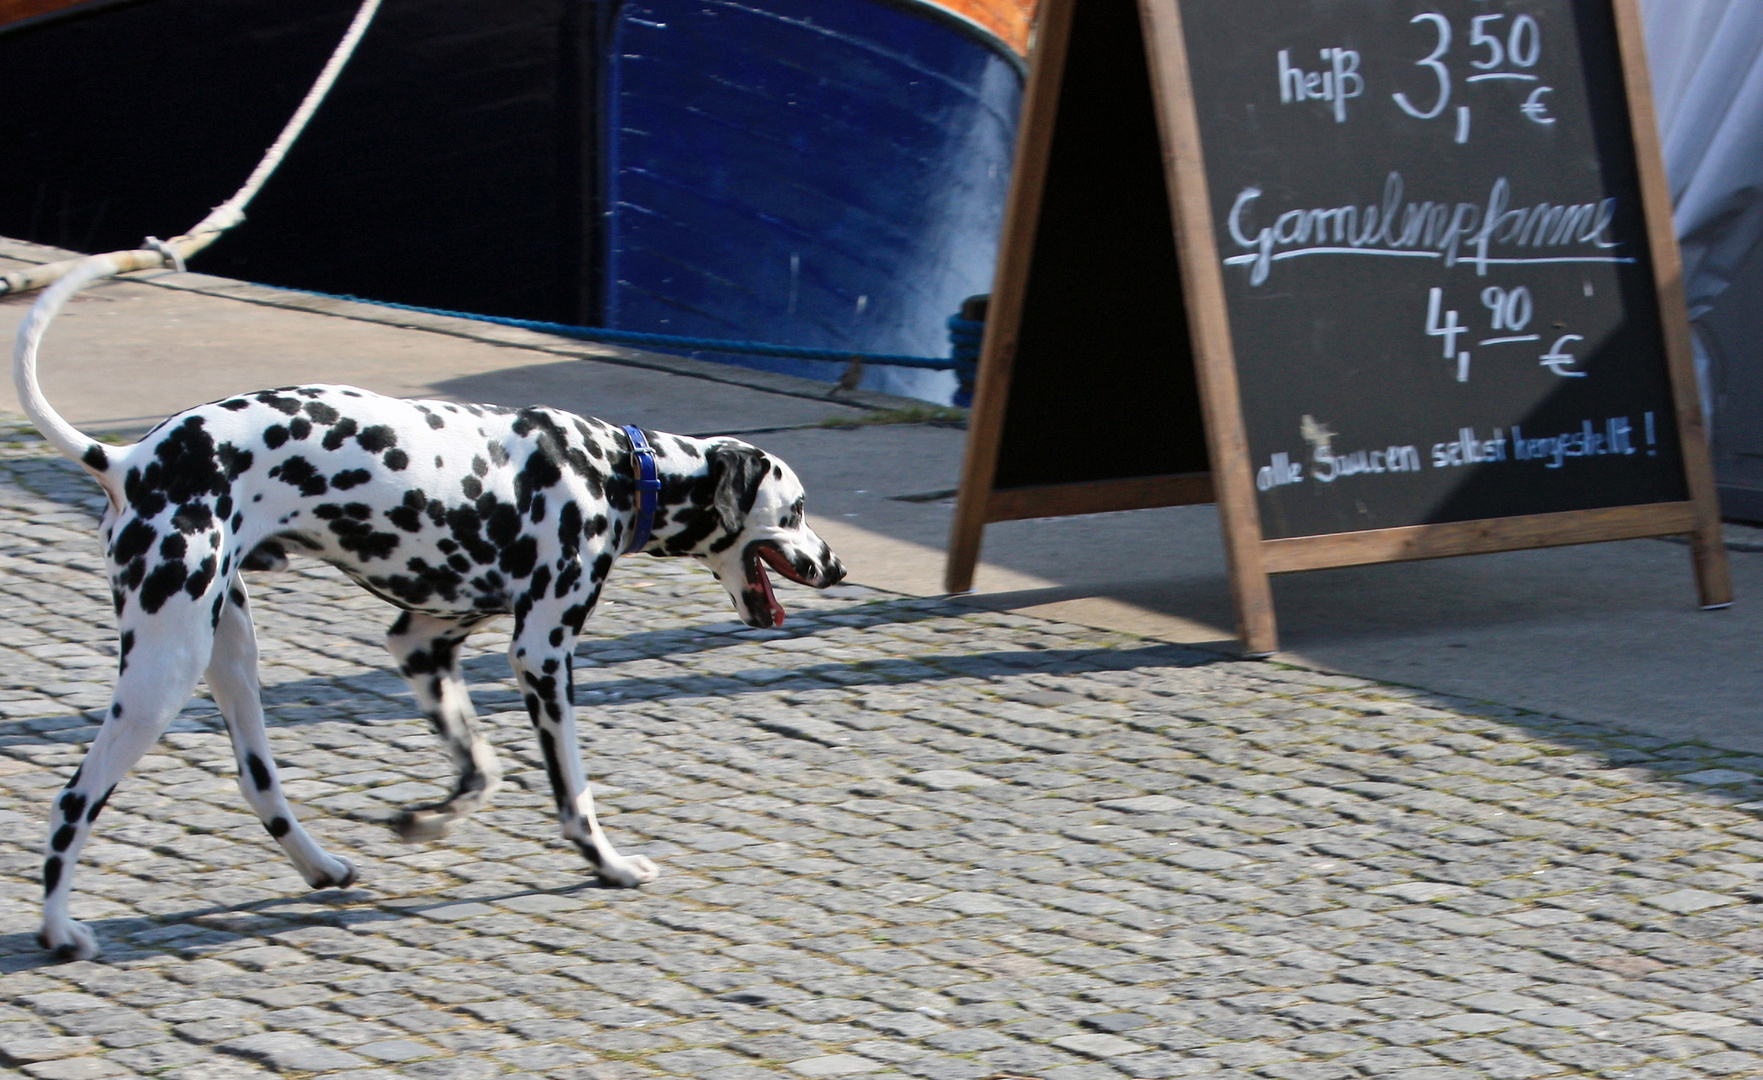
x,y
758,556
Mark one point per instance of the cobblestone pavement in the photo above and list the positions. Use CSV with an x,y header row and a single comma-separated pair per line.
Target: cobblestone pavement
x,y
897,838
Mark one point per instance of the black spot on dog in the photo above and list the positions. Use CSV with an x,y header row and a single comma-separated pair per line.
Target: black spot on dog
x,y
518,558
569,525
480,467
259,771
361,538
235,404
349,478
566,578
434,421
501,521
235,461
185,468
538,474
396,460
553,767
133,542
237,596
63,837
298,472
51,874
174,546
98,807
556,637
278,827
377,438
409,516
96,458
299,428
193,518
339,433
199,582
472,487
125,645
73,804
162,584
268,555
286,405
321,412
274,436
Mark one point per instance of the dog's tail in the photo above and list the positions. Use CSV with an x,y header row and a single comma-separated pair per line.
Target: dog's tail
x,y
82,448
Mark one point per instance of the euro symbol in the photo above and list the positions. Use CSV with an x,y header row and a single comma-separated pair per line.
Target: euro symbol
x,y
1535,108
1559,361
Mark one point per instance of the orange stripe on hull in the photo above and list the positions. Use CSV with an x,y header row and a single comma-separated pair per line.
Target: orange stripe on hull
x,y
1009,19
14,10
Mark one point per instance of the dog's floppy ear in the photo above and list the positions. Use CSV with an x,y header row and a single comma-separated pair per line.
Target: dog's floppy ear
x,y
737,472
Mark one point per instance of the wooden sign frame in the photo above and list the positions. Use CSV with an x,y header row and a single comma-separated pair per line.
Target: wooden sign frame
x,y
1251,557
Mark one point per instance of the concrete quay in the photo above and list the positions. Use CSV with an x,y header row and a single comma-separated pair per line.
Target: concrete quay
x,y
1036,833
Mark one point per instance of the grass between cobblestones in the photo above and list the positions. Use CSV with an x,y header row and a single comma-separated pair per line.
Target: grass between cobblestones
x,y
899,838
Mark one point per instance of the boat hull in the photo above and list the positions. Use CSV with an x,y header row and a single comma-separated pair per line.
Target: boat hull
x,y
822,173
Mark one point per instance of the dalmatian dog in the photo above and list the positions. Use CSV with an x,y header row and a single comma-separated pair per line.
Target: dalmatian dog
x,y
454,514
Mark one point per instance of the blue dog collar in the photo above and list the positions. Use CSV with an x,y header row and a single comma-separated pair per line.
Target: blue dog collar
x,y
648,488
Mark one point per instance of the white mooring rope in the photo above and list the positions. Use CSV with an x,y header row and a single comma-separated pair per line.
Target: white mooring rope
x,y
156,253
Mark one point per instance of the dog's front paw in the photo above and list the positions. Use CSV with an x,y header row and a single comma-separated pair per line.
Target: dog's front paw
x,y
627,872
68,940
340,875
420,826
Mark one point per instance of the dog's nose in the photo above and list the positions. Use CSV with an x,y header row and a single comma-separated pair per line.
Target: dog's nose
x,y
835,570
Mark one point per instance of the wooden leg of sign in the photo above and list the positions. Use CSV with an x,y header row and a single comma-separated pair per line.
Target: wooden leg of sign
x,y
1022,217
1214,360
1713,579
1253,591
964,537
1707,546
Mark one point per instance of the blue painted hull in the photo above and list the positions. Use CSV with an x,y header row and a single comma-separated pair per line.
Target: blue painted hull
x,y
820,173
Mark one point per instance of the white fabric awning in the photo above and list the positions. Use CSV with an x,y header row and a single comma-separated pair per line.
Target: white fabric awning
x,y
1707,63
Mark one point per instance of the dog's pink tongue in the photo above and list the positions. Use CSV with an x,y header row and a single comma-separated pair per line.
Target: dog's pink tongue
x,y
764,580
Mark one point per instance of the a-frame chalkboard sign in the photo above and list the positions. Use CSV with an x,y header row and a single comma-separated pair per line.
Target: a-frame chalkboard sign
x,y
1385,279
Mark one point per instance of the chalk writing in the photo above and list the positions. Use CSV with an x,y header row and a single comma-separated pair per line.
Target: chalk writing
x,y
1476,318
1280,473
1328,466
1614,437
1469,449
1454,233
1339,84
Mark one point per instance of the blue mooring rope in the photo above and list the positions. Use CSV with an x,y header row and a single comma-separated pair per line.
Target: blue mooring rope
x,y
675,341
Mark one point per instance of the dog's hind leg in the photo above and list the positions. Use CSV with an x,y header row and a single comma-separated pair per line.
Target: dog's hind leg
x,y
427,651
541,654
232,676
161,658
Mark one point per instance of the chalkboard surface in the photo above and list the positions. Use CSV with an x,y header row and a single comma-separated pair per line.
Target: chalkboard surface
x,y
1435,260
